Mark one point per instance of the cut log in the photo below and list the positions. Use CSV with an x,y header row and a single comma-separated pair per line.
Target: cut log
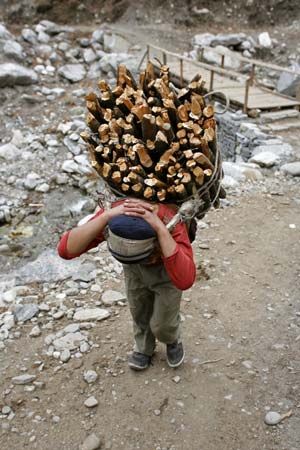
x,y
149,193
137,188
208,111
143,155
149,128
202,160
209,134
116,177
161,142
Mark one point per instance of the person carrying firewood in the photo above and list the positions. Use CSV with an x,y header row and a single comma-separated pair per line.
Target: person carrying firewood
x,y
158,266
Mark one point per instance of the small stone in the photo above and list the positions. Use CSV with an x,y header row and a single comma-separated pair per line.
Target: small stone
x,y
84,314
26,312
35,332
176,379
71,341
6,410
272,418
111,297
55,419
65,355
91,402
90,376
44,187
72,72
23,379
247,364
92,442
157,412
58,315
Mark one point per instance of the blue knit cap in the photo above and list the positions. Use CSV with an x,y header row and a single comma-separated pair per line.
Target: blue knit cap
x,y
130,227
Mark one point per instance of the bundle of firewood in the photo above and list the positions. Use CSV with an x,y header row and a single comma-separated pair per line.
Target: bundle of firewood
x,y
153,141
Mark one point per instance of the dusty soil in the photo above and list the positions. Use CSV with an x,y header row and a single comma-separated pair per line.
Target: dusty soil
x,y
244,307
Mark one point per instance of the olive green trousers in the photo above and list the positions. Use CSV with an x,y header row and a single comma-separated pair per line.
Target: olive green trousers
x,y
154,305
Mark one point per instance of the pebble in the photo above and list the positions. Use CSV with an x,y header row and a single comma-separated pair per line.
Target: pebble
x,y
272,418
65,355
23,379
92,442
176,379
84,314
91,402
157,412
90,376
35,332
26,312
111,297
6,410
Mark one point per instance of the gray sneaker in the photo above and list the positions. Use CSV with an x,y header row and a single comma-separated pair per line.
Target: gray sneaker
x,y
175,354
139,361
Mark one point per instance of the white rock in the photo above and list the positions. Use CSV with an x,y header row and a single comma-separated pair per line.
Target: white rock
x,y
23,379
231,61
26,312
29,35
70,341
265,159
98,36
44,187
31,181
14,74
14,50
229,182
72,72
110,297
18,138
291,169
70,166
10,296
176,379
90,376
92,442
84,347
89,55
247,364
35,332
9,152
264,40
65,355
85,314
241,172
4,33
272,418
91,402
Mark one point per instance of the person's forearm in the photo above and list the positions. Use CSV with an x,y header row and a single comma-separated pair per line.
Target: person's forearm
x,y
166,241
80,237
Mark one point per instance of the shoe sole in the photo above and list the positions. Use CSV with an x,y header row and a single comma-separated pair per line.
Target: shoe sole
x,y
176,364
138,368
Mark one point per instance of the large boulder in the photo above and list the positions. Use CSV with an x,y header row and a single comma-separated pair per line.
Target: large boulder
x,y
12,74
214,56
292,169
13,49
289,83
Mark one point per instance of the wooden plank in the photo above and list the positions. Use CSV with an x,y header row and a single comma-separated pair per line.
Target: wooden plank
x,y
259,97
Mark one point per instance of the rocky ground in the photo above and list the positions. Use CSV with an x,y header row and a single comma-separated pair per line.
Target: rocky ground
x,y
65,329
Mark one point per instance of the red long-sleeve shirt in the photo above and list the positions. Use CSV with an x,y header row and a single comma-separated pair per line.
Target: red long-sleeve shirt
x,y
180,265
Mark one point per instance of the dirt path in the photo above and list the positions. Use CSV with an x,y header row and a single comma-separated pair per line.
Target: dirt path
x,y
248,310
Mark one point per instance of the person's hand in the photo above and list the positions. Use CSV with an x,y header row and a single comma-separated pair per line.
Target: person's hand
x,y
140,208
116,211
